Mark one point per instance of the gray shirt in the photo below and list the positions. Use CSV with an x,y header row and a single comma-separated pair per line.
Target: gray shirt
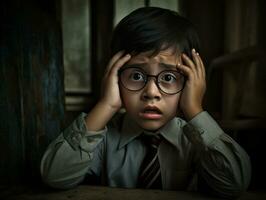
x,y
193,154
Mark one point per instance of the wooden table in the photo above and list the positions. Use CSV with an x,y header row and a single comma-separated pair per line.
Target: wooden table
x,y
85,192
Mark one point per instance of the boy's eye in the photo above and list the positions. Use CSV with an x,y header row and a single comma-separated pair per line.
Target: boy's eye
x,y
168,77
137,76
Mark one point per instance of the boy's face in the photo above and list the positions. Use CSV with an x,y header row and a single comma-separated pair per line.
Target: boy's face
x,y
150,107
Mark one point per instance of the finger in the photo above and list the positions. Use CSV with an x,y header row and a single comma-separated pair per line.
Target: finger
x,y
111,63
197,63
119,63
185,69
188,62
113,60
112,74
203,71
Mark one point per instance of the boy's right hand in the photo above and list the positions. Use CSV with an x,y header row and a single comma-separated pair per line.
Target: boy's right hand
x,y
110,101
110,86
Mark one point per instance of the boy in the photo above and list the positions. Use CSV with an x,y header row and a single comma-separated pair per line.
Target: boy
x,y
156,74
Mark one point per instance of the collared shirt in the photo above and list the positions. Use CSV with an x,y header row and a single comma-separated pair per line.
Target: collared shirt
x,y
191,154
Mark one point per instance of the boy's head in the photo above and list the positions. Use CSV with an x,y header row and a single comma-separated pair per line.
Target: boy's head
x,y
154,29
150,84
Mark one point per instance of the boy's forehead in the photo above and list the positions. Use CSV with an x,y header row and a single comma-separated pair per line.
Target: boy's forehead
x,y
167,56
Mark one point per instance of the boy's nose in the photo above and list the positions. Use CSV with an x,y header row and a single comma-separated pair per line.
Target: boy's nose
x,y
151,91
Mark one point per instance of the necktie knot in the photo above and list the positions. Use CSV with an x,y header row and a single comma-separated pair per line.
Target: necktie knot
x,y
152,140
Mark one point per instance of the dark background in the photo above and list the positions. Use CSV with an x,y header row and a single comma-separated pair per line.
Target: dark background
x,y
32,95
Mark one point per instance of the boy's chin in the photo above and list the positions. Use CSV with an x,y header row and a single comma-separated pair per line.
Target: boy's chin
x,y
151,126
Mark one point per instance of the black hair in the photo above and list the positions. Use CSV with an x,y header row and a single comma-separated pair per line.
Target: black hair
x,y
154,29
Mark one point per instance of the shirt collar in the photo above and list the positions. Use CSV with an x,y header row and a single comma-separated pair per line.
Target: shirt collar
x,y
172,130
130,130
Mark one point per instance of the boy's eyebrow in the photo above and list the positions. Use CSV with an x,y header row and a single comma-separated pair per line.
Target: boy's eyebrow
x,y
168,66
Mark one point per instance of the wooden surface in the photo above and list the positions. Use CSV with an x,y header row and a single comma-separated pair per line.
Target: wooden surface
x,y
101,193
31,88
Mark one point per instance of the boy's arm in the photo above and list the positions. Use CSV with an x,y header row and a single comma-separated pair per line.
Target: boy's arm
x,y
223,165
79,148
190,102
72,155
110,101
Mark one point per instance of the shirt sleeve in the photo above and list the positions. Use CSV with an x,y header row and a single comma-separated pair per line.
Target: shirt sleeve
x,y
72,155
222,164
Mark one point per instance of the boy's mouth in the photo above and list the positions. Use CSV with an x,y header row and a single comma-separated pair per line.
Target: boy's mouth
x,y
151,112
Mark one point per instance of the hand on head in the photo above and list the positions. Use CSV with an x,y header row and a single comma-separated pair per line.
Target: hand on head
x,y
110,86
193,93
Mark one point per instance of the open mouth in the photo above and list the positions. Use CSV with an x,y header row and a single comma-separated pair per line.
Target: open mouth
x,y
151,112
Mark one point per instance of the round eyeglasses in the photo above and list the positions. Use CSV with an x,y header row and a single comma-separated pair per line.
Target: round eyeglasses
x,y
168,81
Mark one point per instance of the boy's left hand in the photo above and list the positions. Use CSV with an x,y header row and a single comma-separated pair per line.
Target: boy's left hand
x,y
193,92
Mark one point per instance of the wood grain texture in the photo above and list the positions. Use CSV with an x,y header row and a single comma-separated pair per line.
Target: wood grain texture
x,y
107,193
32,90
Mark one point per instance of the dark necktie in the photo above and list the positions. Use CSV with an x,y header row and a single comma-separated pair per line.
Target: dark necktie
x,y
150,173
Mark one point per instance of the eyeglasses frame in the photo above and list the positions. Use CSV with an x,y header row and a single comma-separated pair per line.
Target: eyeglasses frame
x,y
147,79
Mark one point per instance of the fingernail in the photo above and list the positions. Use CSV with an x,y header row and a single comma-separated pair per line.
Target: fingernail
x,y
197,53
194,50
178,64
